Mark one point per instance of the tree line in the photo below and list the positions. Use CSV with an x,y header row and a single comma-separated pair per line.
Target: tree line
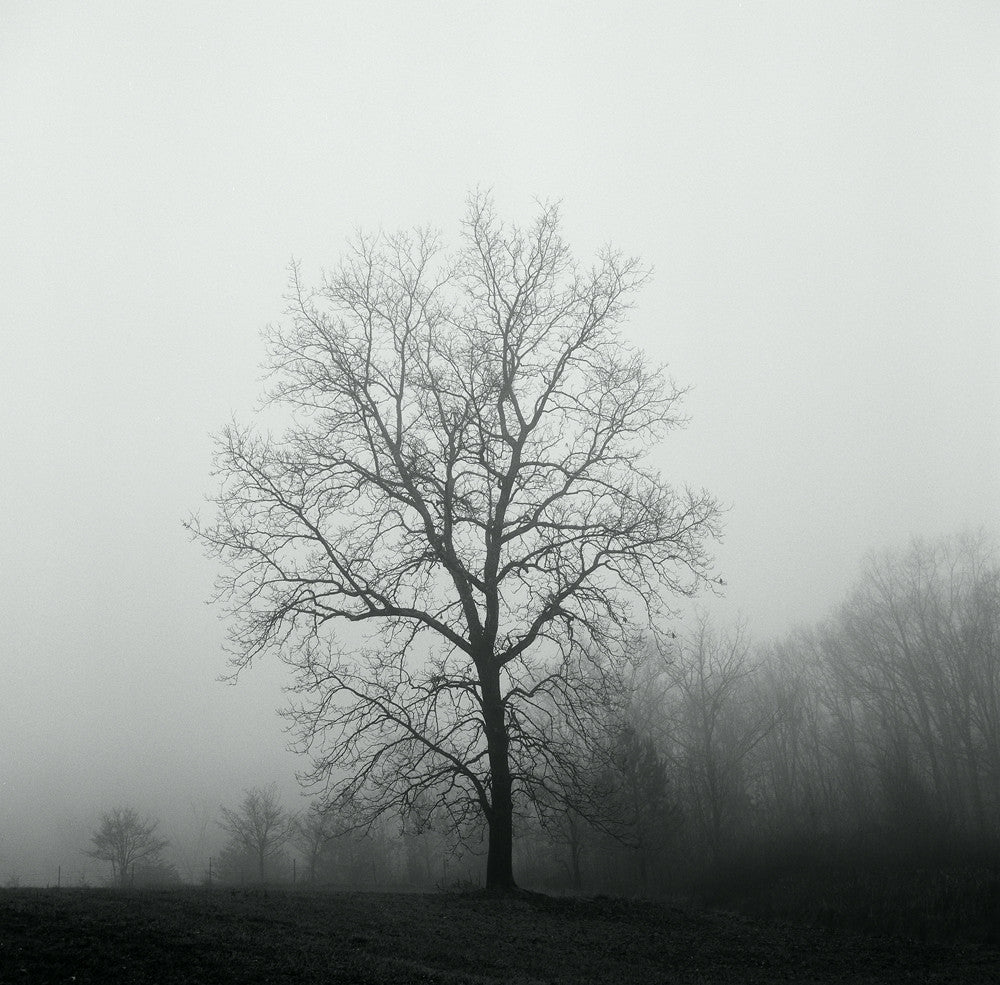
x,y
873,735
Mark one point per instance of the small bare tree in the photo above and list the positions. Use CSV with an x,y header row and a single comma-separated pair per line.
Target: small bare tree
x,y
463,477
260,826
124,839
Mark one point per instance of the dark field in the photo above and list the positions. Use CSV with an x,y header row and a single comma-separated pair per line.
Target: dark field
x,y
90,935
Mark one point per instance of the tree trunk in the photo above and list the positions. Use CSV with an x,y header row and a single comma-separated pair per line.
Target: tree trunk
x,y
500,858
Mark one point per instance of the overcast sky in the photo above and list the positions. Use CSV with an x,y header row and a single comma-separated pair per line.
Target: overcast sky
x,y
816,185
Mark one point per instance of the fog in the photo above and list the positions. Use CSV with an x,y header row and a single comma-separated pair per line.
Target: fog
x,y
816,187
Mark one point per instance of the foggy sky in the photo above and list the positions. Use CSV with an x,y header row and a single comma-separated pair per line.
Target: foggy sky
x,y
817,187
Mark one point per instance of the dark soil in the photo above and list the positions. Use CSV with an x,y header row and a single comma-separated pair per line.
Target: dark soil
x,y
88,935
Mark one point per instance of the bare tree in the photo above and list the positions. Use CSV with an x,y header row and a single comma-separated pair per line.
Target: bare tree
x,y
189,842
806,763
314,832
124,839
463,479
260,826
715,728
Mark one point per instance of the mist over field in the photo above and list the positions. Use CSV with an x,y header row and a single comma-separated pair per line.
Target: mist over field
x,y
816,191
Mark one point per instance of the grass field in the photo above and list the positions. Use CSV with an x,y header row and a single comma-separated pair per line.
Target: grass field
x,y
207,936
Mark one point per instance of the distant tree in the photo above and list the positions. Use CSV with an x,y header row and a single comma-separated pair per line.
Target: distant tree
x,y
571,832
427,837
370,858
648,807
714,725
314,833
806,764
260,827
463,475
125,839
189,841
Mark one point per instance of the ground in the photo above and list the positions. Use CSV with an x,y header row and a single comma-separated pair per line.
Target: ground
x,y
210,936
